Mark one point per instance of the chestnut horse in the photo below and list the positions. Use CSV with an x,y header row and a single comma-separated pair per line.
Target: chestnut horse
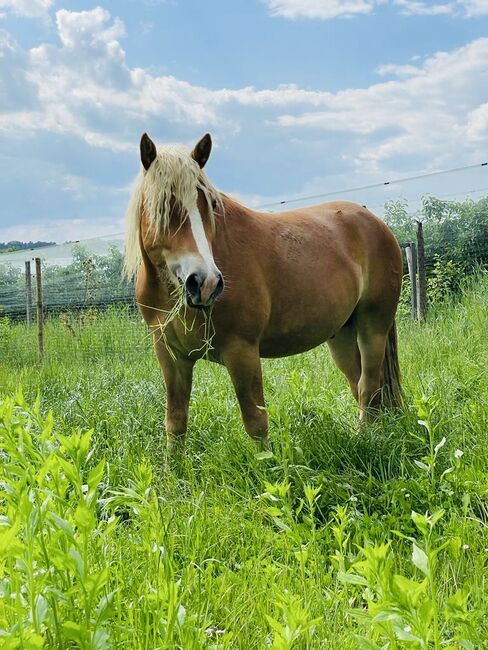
x,y
273,284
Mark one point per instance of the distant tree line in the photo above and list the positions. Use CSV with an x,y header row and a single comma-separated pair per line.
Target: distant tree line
x,y
456,239
14,245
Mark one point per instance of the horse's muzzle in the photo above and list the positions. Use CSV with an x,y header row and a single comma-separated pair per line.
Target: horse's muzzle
x,y
203,290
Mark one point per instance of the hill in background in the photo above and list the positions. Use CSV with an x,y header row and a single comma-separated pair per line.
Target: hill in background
x,y
11,246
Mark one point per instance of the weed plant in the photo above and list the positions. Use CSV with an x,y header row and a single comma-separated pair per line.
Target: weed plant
x,y
334,538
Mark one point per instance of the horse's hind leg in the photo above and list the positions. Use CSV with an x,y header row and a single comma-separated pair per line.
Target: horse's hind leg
x,y
345,352
372,337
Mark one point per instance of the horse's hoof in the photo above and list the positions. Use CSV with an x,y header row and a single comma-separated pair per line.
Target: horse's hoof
x,y
263,444
174,446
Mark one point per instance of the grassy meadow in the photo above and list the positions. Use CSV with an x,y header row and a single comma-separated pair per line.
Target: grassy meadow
x,y
336,538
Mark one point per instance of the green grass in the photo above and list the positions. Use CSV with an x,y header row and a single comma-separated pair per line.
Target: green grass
x,y
313,545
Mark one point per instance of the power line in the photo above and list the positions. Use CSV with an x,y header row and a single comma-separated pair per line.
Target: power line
x,y
371,186
36,252
437,196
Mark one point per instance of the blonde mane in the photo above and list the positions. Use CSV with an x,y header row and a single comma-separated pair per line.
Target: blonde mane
x,y
173,173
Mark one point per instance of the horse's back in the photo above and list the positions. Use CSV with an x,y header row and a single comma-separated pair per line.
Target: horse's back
x,y
360,240
321,263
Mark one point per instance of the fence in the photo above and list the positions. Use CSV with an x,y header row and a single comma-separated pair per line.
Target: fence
x,y
79,286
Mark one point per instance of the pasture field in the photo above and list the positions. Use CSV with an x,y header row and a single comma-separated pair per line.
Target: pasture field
x,y
336,538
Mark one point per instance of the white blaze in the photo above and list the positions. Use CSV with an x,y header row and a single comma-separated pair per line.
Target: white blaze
x,y
200,238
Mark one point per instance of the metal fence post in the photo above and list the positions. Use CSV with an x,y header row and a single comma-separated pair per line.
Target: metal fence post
x,y
40,315
28,293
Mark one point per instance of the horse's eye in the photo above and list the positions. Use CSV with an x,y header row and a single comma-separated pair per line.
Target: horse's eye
x,y
214,204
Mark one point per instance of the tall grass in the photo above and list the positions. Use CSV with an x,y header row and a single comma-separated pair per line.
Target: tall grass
x,y
333,539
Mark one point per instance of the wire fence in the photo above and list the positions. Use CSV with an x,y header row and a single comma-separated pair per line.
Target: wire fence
x,y
89,308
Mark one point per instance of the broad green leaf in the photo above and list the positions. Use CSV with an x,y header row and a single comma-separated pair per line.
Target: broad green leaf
x,y
273,512
467,645
276,625
426,613
280,524
436,516
41,609
96,474
408,592
33,641
352,578
405,634
366,644
181,615
264,455
439,446
74,632
421,522
386,616
104,608
64,525
420,559
80,565
84,518
100,640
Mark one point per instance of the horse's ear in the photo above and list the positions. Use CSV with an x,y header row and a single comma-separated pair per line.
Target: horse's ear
x,y
148,151
201,152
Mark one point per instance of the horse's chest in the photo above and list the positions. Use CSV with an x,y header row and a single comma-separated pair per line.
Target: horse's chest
x,y
190,337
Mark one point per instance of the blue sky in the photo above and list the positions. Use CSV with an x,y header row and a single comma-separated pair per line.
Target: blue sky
x,y
301,97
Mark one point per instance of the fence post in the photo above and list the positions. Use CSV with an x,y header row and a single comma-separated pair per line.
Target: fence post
x,y
28,293
412,271
422,276
40,315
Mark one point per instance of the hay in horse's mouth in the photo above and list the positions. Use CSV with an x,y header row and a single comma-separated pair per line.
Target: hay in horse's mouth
x,y
191,304
178,312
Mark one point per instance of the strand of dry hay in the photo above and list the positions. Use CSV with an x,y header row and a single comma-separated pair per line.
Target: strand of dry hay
x,y
179,312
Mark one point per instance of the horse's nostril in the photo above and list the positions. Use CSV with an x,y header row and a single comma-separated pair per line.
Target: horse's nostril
x,y
193,284
220,285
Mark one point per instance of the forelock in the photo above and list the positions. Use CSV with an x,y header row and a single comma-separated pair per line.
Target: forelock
x,y
173,174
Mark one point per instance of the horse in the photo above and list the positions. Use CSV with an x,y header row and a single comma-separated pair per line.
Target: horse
x,y
269,285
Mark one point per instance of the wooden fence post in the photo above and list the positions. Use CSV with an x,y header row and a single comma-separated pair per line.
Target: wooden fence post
x,y
28,293
40,315
412,271
422,276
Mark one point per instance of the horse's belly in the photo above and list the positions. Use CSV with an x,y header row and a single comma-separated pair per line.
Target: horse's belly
x,y
284,344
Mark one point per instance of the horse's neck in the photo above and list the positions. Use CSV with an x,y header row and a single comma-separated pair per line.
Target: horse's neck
x,y
239,226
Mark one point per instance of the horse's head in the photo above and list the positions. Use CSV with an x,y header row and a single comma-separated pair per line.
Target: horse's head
x,y
173,209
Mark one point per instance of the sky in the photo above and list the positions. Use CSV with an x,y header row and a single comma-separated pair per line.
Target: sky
x,y
302,97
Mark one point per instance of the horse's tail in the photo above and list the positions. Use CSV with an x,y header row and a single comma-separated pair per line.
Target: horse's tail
x,y
392,388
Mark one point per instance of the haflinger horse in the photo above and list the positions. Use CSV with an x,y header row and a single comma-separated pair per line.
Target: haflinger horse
x,y
273,285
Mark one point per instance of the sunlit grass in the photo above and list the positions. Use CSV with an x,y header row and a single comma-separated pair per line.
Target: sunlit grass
x,y
227,547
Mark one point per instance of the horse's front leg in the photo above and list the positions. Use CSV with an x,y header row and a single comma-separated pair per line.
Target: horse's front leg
x,y
243,362
177,375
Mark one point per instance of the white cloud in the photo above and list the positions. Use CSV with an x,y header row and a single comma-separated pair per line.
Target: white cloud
x,y
323,9
27,8
327,9
475,7
477,124
397,70
423,115
84,88
61,230
88,28
415,7
431,114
